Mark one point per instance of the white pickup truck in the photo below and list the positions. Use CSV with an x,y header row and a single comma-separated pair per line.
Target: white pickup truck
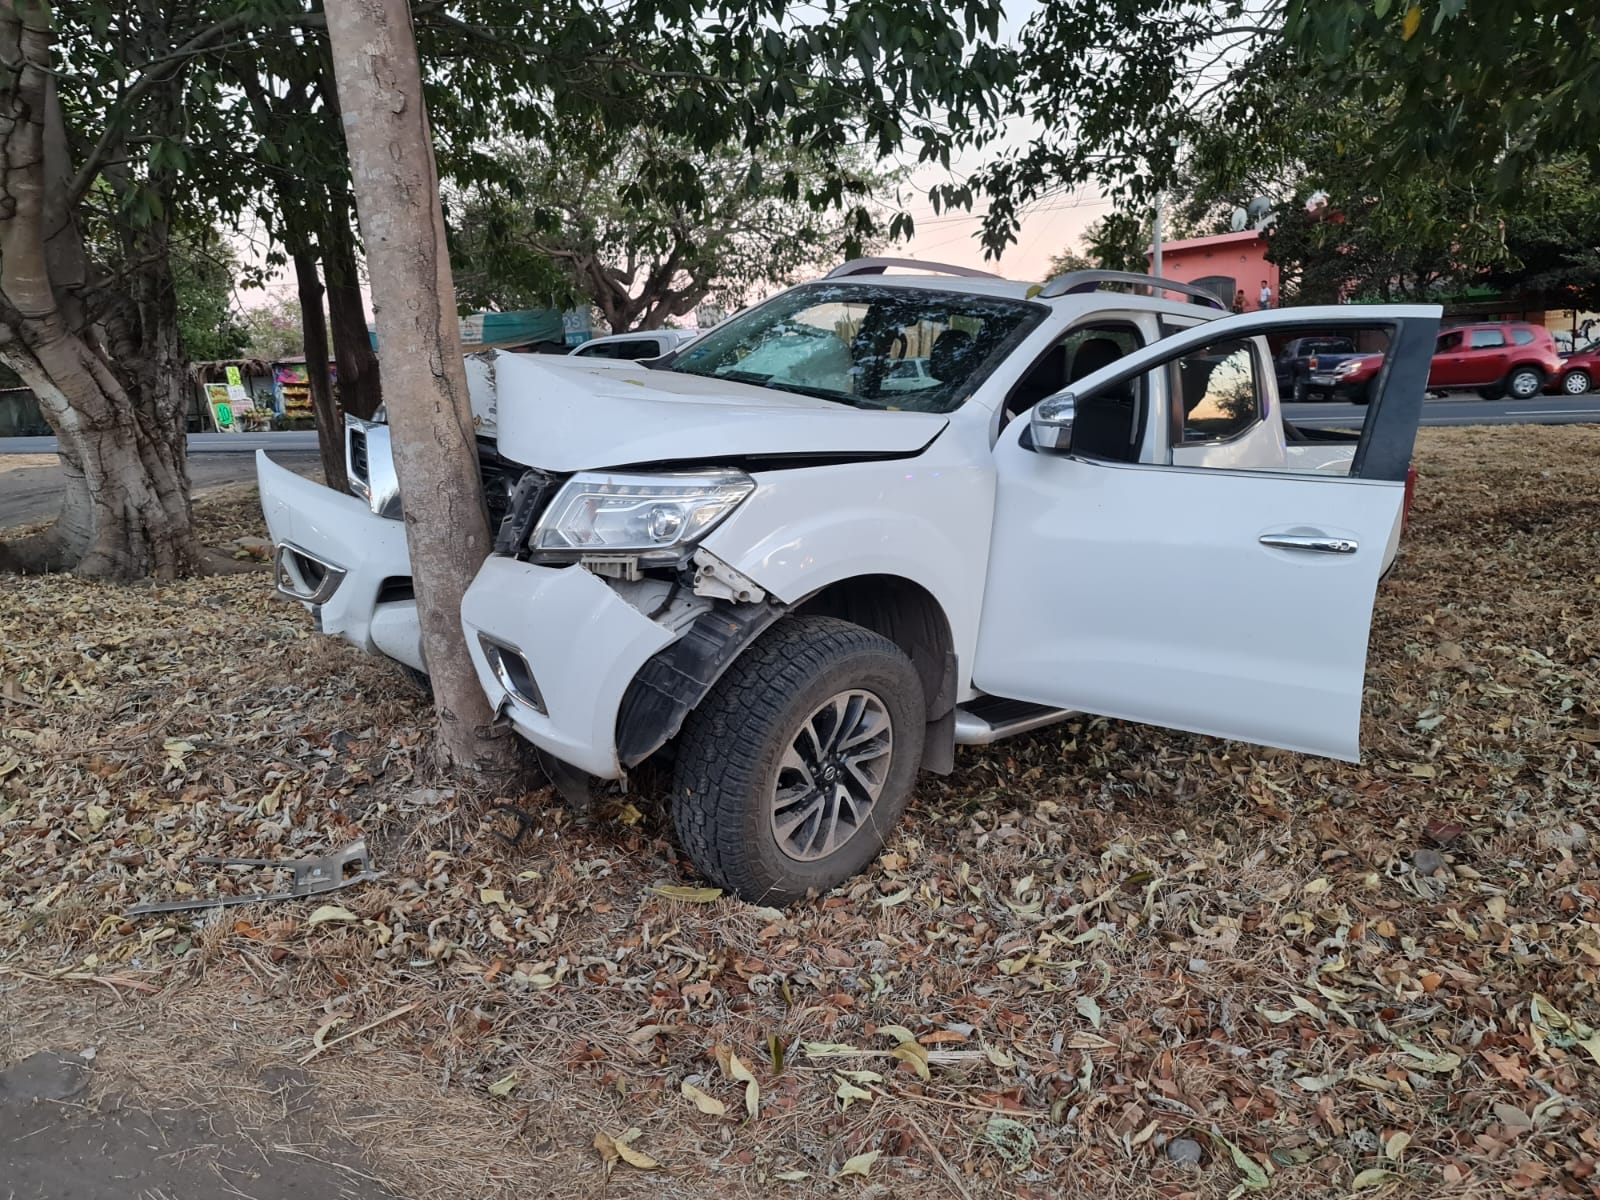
x,y
801,575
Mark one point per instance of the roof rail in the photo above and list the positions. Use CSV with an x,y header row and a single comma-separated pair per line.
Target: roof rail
x,y
877,266
1090,281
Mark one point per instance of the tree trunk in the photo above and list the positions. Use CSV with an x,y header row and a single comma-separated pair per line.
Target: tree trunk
x,y
360,388
114,389
397,195
330,424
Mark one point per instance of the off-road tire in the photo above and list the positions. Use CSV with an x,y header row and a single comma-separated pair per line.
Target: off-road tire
x,y
730,747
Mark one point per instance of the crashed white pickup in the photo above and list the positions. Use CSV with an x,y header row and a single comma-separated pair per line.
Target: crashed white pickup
x,y
801,572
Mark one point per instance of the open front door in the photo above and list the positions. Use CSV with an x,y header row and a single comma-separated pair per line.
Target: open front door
x,y
1204,588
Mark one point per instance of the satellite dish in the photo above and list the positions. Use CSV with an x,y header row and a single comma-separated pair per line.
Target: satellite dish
x,y
1259,207
1240,220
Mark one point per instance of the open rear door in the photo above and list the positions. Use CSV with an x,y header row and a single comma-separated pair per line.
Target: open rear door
x,y
1220,599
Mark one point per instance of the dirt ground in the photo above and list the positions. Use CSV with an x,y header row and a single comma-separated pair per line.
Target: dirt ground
x,y
1100,960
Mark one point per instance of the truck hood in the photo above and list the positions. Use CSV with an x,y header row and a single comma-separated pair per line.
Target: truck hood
x,y
577,414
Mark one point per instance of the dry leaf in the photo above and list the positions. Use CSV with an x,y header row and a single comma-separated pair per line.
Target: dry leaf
x,y
1396,1146
504,1086
1372,1177
916,1055
690,895
858,1165
709,1105
847,1092
613,1148
330,912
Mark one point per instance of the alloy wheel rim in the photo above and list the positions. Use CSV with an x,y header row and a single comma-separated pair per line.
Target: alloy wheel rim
x,y
832,775
1524,386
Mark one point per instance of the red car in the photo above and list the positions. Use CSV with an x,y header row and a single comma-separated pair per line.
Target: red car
x,y
1501,358
1579,372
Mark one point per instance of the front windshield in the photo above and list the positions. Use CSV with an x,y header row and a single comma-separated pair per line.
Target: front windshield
x,y
866,345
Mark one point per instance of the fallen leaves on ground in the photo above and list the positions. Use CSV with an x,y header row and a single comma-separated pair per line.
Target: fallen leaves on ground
x,y
1101,959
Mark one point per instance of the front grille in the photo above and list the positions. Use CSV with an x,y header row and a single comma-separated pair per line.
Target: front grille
x,y
533,492
358,455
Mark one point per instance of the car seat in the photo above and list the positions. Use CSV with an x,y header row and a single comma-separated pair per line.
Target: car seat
x,y
1106,424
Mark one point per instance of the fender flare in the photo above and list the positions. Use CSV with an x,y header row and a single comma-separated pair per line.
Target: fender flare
x,y
676,678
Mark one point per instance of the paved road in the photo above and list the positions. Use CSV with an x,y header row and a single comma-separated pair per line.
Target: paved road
x,y
30,485
199,443
1465,410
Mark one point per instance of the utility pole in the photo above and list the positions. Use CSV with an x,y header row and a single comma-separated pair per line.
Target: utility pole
x,y
1155,238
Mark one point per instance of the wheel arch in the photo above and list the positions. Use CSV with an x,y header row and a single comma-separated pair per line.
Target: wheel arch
x,y
911,617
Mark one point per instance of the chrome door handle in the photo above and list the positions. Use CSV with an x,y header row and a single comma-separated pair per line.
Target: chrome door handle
x,y
1315,543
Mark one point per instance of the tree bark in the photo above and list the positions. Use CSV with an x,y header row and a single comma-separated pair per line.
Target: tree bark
x,y
330,423
113,388
360,387
397,196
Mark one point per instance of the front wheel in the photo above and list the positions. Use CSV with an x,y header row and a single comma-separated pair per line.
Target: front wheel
x,y
798,764
1576,382
1524,383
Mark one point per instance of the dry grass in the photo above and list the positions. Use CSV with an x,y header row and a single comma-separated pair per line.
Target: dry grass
x,y
1112,936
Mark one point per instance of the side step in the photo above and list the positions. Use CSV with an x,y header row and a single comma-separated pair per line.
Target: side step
x,y
990,718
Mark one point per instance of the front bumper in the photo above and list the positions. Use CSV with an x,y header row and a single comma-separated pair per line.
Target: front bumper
x,y
340,559
555,649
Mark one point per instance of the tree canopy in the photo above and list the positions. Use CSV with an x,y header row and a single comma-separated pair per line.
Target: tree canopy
x,y
608,233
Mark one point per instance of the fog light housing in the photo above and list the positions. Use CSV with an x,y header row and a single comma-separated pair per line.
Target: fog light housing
x,y
512,672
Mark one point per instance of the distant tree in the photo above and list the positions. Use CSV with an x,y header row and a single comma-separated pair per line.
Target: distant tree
x,y
1118,241
1067,260
273,330
653,228
205,270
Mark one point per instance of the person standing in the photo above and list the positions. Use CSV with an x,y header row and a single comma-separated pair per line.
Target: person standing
x,y
1238,301
1266,294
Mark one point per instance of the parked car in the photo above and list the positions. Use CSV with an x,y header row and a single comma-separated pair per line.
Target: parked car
x,y
1353,379
1495,359
818,585
1579,371
649,343
1302,357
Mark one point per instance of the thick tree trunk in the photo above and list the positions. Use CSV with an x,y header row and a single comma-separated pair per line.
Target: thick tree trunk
x,y
113,390
397,195
330,424
360,389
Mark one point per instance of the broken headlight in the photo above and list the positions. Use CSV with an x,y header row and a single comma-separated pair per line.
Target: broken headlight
x,y
653,517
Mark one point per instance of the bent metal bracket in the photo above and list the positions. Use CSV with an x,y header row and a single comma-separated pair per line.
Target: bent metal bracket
x,y
311,877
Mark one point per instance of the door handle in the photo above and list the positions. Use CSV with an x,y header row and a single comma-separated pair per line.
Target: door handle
x,y
1313,543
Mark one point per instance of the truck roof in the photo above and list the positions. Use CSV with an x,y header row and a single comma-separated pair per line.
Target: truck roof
x,y
1012,289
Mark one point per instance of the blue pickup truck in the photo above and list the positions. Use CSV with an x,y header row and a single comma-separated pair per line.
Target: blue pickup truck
x,y
1301,356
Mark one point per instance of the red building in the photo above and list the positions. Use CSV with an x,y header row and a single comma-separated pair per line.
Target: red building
x,y
1226,264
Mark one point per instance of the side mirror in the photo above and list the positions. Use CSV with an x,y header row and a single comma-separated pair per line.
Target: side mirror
x,y
1051,425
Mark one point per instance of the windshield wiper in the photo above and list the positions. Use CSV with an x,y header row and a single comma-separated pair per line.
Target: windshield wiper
x,y
820,393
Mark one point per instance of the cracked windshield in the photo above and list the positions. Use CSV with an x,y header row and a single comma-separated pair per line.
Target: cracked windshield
x,y
866,346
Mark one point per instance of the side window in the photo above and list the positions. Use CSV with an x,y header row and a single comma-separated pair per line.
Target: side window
x,y
1522,337
1217,393
634,348
1448,342
1077,355
1487,339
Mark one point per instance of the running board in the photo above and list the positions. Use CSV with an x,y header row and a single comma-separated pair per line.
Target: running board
x,y
991,718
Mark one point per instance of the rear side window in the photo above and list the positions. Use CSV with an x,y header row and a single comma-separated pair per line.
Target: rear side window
x,y
1487,339
1522,337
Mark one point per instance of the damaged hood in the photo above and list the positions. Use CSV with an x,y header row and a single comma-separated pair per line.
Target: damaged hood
x,y
578,414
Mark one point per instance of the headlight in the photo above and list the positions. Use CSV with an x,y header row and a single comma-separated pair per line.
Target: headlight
x,y
652,516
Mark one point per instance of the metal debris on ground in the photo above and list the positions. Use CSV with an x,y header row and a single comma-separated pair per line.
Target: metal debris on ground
x,y
311,877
